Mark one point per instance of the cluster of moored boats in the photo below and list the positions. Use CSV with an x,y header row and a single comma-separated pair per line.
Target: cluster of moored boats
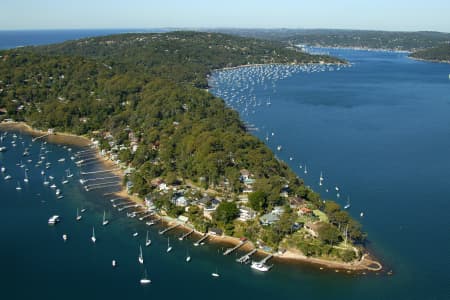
x,y
248,89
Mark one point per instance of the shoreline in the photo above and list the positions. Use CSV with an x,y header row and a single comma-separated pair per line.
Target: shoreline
x,y
365,264
355,48
429,60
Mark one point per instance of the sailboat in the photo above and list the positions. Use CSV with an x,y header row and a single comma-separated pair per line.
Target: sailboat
x,y
188,257
26,176
78,218
306,170
46,182
141,257
64,180
169,248
93,239
105,222
18,187
215,274
144,280
147,240
68,175
347,206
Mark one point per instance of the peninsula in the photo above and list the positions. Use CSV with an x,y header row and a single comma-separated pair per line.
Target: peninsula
x,y
142,98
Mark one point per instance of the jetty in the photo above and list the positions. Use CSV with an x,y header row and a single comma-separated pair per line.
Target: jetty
x,y
127,206
100,178
265,259
40,137
98,172
186,235
161,232
246,258
199,242
145,216
230,250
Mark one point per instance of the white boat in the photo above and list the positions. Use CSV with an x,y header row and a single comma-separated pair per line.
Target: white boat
x,y
46,182
347,206
61,160
83,210
279,147
361,214
135,234
64,180
105,222
53,186
150,223
188,257
260,266
18,187
68,175
51,177
147,240
114,263
321,177
26,177
3,169
169,248
7,177
53,220
144,280
93,238
215,274
306,170
64,236
58,191
78,218
141,257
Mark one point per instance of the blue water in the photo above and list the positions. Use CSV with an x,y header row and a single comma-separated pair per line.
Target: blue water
x,y
379,130
19,38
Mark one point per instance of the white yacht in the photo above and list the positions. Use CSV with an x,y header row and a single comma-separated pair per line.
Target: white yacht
x,y
18,187
260,266
147,240
53,220
78,218
141,257
93,239
188,257
105,222
144,280
169,248
64,236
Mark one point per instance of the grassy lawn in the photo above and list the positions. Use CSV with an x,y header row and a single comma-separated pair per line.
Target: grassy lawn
x,y
322,216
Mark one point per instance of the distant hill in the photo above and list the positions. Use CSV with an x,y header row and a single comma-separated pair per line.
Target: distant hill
x,y
395,40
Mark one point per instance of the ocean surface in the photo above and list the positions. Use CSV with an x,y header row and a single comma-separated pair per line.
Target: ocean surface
x,y
378,130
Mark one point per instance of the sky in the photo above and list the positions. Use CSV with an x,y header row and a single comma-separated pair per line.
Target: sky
x,y
393,15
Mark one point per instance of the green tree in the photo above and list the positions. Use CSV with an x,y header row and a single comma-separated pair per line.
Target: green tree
x,y
329,233
258,201
226,212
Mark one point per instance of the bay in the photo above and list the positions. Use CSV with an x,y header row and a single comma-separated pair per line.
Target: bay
x,y
379,130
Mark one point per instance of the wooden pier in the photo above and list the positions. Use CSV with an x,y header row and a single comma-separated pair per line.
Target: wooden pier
x,y
199,242
97,172
161,232
40,137
265,259
230,250
145,216
127,206
246,258
185,235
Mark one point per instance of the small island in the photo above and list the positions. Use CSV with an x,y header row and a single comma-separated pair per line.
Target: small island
x,y
143,99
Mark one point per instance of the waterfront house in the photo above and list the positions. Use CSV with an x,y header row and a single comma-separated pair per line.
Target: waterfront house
x,y
181,201
215,231
246,214
269,219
